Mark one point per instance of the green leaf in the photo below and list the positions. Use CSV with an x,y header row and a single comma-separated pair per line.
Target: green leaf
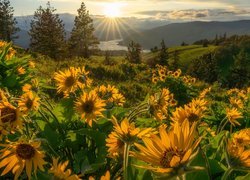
x,y
10,81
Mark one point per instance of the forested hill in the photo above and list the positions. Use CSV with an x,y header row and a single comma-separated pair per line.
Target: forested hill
x,y
175,34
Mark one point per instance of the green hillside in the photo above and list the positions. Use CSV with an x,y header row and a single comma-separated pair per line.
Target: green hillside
x,y
186,54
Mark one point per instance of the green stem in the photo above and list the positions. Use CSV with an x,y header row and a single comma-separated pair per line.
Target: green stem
x,y
137,108
219,127
208,169
125,160
227,173
57,120
223,126
45,119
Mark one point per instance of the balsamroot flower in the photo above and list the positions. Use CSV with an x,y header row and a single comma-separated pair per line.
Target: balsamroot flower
x,y
169,150
59,171
67,81
193,112
233,115
238,148
90,106
28,102
19,155
159,103
124,133
10,116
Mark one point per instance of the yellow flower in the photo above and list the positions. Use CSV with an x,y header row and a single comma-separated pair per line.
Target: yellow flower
x,y
90,106
59,172
67,81
177,73
110,94
32,64
154,80
84,80
11,53
34,86
204,92
106,176
115,145
28,102
158,104
170,150
19,155
236,102
233,115
10,115
21,71
3,97
239,148
242,138
193,112
124,133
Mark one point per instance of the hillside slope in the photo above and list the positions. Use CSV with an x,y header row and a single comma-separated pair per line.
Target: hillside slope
x,y
175,34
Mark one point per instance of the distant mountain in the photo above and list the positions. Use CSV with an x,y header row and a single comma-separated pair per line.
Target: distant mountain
x,y
174,34
106,29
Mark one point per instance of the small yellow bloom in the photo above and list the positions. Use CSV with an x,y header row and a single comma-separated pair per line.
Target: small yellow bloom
x,y
19,155
32,64
204,92
3,96
238,149
28,102
33,86
106,176
233,115
10,116
21,71
236,102
158,104
90,106
124,133
193,112
59,171
67,81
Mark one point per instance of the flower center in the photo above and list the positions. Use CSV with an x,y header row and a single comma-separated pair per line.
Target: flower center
x,y
166,158
193,117
29,103
25,151
8,115
88,107
69,81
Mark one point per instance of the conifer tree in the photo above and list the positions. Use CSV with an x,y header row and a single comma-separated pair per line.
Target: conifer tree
x,y
163,55
176,59
7,22
47,33
134,53
82,39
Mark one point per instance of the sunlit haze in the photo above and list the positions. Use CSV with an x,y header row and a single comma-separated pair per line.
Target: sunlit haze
x,y
154,9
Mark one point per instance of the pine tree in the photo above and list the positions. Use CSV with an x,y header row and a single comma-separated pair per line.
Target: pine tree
x,y
134,53
176,59
47,33
163,55
7,22
82,39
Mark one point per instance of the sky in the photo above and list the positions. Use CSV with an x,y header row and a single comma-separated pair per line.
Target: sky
x,y
154,9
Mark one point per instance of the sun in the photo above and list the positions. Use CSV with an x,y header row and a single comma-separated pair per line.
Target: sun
x,y
112,10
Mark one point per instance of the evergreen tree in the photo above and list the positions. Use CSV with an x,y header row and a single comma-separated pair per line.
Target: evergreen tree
x,y
240,72
47,33
163,55
7,22
82,39
134,53
176,59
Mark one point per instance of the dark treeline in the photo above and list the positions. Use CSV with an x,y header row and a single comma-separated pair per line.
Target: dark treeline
x,y
229,64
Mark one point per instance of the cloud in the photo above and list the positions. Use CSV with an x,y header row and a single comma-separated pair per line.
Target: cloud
x,y
198,14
